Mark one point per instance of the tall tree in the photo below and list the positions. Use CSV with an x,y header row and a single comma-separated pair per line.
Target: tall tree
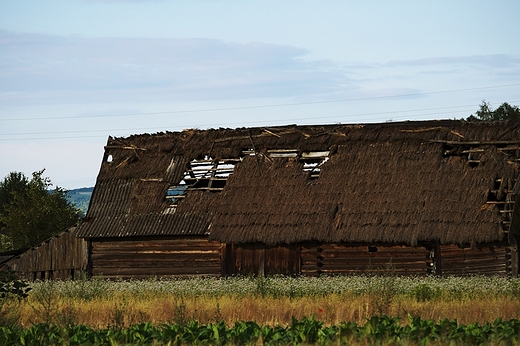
x,y
504,112
31,213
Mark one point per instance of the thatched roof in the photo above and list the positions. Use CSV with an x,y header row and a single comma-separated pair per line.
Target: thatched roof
x,y
397,182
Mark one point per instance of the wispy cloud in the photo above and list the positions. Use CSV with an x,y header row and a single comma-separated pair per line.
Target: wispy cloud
x,y
195,68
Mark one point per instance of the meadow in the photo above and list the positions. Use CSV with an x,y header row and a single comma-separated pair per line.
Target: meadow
x,y
273,302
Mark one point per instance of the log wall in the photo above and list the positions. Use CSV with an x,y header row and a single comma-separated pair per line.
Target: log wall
x,y
490,259
61,257
67,257
334,259
154,257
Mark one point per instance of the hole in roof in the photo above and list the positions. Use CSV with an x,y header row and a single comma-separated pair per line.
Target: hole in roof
x,y
109,158
312,162
203,175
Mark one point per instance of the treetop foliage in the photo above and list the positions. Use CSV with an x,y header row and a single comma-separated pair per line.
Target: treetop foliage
x,y
30,212
504,112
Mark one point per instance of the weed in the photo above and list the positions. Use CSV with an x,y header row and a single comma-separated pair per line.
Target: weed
x,y
218,314
263,286
423,293
179,314
44,301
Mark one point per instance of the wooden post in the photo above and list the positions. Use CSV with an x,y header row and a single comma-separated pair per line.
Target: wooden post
x,y
223,260
261,267
437,258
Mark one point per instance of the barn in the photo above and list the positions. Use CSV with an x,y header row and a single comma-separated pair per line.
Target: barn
x,y
417,198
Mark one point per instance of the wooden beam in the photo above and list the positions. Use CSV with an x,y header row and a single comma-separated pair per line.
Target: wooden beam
x,y
132,147
474,142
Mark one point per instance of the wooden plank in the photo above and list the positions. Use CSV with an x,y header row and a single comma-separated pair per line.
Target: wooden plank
x,y
475,270
152,265
150,244
469,251
373,261
150,258
161,240
373,255
419,272
381,266
129,272
364,249
474,264
475,255
164,251
315,154
154,246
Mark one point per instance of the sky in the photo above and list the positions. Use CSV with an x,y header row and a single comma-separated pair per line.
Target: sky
x,y
73,72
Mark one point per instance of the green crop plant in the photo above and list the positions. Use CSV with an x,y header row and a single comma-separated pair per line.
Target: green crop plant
x,y
380,330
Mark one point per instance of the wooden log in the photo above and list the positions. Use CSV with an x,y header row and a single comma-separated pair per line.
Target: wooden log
x,y
378,260
165,251
387,255
114,271
117,246
155,264
382,267
155,258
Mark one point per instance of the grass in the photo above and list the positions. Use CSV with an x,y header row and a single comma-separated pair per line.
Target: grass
x,y
267,301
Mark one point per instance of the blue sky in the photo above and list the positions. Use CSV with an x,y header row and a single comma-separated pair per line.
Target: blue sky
x,y
74,72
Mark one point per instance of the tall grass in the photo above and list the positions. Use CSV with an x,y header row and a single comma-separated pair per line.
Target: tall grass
x,y
271,301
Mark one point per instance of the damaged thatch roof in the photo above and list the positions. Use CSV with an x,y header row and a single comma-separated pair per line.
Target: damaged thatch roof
x,y
396,182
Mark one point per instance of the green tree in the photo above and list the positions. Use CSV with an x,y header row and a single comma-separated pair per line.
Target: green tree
x,y
31,213
14,183
504,112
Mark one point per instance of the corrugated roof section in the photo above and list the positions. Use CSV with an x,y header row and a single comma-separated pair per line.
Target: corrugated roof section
x,y
146,225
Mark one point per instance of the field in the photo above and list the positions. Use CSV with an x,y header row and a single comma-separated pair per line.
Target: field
x,y
321,304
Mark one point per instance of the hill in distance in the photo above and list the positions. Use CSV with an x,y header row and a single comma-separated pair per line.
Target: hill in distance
x,y
81,198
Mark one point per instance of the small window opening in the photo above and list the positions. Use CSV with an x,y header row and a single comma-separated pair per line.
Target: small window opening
x,y
109,158
372,249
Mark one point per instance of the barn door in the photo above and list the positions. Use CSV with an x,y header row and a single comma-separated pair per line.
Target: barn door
x,y
258,259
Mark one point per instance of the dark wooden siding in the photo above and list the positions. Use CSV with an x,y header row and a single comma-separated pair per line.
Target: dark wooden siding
x,y
332,259
491,259
61,257
148,257
261,259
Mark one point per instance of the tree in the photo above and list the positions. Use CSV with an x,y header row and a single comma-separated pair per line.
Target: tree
x,y
31,213
14,183
504,112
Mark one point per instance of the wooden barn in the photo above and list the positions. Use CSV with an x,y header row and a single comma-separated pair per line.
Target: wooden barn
x,y
416,198
419,197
